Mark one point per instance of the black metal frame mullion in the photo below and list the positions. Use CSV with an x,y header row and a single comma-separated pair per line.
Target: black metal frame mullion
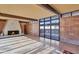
x,y
50,32
44,32
71,13
39,27
59,27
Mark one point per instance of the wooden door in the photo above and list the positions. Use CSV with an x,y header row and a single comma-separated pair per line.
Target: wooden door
x,y
25,28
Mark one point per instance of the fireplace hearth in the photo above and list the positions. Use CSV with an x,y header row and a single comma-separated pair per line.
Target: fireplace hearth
x,y
14,32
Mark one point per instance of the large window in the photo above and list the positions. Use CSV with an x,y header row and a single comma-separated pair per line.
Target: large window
x,y
49,28
76,13
66,15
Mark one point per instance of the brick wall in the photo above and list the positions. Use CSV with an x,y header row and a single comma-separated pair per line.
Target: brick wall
x,y
69,32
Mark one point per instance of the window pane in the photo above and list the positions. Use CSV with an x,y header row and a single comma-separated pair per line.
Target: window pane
x,y
55,31
41,27
41,23
54,27
47,33
75,13
47,22
47,19
47,27
41,20
55,37
55,21
66,15
54,17
42,32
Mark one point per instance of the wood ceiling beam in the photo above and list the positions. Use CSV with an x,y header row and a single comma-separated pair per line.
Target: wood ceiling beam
x,y
2,19
16,16
47,6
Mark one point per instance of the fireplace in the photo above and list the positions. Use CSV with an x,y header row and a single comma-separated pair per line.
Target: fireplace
x,y
14,32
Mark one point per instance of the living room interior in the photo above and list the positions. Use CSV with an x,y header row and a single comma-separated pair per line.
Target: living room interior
x,y
39,28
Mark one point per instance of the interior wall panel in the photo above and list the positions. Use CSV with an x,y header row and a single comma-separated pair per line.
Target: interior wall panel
x,y
2,25
24,27
31,28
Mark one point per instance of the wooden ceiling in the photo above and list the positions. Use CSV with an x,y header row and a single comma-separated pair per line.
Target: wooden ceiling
x,y
34,11
63,8
25,10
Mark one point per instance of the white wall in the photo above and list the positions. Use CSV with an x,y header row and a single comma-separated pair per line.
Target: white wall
x,y
12,25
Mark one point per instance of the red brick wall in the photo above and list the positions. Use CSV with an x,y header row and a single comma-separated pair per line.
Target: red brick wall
x,y
69,30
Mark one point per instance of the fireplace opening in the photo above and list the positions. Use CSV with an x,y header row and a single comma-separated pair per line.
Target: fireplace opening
x,y
13,32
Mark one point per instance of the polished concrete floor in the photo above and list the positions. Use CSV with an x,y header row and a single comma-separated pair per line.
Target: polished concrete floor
x,y
47,42
28,44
